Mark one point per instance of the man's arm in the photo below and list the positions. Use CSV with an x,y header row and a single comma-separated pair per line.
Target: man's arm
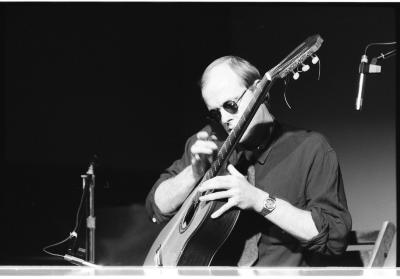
x,y
171,193
324,213
242,194
297,222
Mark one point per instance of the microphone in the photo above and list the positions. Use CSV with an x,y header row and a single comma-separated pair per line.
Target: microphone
x,y
363,69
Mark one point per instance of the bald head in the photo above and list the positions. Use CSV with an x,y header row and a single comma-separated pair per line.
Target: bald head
x,y
228,80
246,72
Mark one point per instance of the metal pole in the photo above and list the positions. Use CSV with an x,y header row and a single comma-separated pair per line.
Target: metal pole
x,y
91,219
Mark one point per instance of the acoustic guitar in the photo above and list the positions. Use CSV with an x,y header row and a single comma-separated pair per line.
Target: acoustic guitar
x,y
192,237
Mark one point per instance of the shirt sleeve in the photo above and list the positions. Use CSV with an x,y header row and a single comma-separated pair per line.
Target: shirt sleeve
x,y
326,200
177,166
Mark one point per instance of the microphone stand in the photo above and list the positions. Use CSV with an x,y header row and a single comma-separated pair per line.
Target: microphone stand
x,y
89,183
88,253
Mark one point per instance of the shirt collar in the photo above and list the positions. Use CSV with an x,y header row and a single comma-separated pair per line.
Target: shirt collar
x,y
261,152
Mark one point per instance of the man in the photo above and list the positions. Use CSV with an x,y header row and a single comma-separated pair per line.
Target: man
x,y
295,209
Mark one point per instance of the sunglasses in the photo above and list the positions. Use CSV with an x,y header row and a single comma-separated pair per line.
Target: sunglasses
x,y
229,106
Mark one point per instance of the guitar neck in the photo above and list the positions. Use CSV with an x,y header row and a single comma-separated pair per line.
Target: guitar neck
x,y
293,60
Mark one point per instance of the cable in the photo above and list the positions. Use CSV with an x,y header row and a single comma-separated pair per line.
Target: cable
x,y
79,210
55,244
374,44
72,234
284,95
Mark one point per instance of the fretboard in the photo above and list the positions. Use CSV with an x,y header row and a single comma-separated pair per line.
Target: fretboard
x,y
235,135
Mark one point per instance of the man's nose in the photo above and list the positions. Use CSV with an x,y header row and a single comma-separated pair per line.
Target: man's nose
x,y
226,117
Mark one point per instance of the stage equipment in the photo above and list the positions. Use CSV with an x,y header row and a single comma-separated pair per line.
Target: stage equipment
x,y
88,253
366,68
88,181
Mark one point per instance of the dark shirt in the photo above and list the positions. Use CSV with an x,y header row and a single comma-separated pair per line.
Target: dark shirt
x,y
294,165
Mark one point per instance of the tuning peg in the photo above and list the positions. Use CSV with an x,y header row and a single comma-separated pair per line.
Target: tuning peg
x,y
305,67
296,76
315,59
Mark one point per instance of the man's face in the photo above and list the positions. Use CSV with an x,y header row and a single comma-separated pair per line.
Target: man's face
x,y
222,85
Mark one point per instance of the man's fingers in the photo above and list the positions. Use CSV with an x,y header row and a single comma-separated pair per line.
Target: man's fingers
x,y
202,135
213,184
199,149
232,170
205,147
216,196
222,209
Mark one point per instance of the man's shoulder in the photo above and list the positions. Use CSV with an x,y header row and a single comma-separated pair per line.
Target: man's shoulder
x,y
310,139
315,138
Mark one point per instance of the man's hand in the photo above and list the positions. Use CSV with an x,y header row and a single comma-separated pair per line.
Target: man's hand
x,y
234,187
203,152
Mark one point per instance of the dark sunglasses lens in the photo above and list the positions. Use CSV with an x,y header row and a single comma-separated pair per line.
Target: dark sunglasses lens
x,y
230,106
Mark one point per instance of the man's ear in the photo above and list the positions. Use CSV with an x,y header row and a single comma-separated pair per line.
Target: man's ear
x,y
254,85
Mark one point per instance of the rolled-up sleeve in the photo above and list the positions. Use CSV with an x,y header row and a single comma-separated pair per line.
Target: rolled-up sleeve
x,y
153,211
326,200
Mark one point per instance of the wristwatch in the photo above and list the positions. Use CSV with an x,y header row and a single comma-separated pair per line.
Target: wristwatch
x,y
268,206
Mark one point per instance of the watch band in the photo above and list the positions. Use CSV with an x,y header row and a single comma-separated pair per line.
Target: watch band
x,y
268,206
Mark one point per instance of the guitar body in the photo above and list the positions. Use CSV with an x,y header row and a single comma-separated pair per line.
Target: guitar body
x,y
192,237
197,244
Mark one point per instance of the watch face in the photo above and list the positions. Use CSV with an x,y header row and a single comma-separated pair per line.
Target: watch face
x,y
269,204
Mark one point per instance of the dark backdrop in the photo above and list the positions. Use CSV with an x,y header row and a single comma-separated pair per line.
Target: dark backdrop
x,y
120,80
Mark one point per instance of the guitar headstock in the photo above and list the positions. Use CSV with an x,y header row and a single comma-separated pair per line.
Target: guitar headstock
x,y
296,57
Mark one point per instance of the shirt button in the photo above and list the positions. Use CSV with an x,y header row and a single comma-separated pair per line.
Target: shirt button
x,y
154,219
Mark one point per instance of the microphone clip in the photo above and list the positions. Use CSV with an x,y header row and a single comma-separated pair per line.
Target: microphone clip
x,y
366,68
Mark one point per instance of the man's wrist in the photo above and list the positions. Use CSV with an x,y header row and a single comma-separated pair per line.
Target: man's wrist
x,y
266,204
261,196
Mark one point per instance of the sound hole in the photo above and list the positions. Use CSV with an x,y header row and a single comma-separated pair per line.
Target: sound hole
x,y
185,223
